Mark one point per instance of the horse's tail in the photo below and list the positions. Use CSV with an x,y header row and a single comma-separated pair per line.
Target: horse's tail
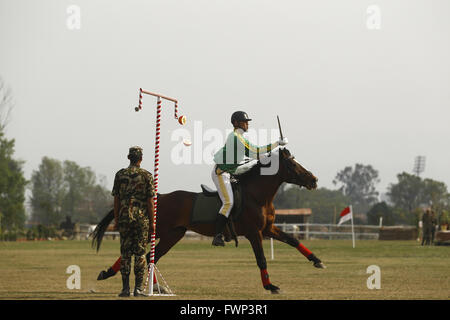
x,y
99,232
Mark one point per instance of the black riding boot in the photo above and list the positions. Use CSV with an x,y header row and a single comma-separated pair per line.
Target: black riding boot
x,y
220,225
125,286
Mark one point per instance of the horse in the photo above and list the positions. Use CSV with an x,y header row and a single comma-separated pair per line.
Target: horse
x,y
255,222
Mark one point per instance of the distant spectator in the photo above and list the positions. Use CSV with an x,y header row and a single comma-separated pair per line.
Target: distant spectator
x,y
433,226
67,227
426,227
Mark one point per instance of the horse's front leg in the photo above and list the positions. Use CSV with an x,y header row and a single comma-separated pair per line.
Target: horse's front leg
x,y
256,242
276,233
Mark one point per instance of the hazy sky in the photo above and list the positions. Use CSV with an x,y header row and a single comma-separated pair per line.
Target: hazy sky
x,y
345,93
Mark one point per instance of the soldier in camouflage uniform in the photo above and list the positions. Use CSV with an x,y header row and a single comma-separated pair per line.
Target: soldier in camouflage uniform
x,y
133,214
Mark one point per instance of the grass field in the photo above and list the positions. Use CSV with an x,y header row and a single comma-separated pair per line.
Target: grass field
x,y
196,270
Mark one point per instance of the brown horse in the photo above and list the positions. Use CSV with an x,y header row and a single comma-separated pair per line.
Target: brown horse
x,y
255,223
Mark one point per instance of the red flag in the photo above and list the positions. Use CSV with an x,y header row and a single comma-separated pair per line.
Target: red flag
x,y
345,215
345,211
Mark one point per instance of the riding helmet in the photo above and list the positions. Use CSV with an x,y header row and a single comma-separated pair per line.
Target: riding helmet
x,y
239,116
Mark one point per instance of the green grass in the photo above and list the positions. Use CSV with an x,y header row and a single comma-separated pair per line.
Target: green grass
x,y
196,270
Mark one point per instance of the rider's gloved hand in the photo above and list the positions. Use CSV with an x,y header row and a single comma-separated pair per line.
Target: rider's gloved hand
x,y
283,142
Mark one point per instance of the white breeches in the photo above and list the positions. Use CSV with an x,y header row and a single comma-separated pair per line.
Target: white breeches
x,y
223,186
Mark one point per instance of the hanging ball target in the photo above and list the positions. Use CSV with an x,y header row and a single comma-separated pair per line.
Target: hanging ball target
x,y
182,120
136,109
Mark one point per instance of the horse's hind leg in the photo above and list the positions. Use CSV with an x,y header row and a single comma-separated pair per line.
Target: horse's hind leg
x,y
166,242
256,242
276,233
111,271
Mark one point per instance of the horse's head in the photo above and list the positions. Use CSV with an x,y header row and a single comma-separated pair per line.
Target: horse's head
x,y
294,172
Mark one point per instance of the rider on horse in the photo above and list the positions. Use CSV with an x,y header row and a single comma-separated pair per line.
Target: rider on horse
x,y
258,192
229,160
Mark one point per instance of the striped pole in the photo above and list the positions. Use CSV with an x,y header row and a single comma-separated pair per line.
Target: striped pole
x,y
139,107
151,273
140,98
155,198
176,110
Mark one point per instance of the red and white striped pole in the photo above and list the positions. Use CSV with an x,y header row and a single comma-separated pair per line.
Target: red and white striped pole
x,y
155,198
181,120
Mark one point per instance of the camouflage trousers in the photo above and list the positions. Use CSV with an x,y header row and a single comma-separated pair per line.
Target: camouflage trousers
x,y
133,229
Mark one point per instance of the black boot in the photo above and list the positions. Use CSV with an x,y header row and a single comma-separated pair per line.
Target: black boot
x,y
138,290
106,274
220,225
125,286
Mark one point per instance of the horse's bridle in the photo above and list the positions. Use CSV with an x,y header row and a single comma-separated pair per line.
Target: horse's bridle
x,y
290,167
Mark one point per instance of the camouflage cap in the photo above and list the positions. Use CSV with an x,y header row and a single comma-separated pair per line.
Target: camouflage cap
x,y
135,151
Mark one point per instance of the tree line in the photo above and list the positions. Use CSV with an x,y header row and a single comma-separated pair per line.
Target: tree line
x,y
58,189
65,189
356,186
12,181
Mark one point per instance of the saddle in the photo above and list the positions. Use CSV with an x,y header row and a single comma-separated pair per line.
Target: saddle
x,y
207,205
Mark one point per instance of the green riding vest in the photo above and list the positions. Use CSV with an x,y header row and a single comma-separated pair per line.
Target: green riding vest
x,y
236,148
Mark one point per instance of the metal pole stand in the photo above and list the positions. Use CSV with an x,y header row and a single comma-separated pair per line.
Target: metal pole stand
x,y
155,289
152,270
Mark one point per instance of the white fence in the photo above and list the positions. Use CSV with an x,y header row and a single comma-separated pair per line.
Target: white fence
x,y
309,231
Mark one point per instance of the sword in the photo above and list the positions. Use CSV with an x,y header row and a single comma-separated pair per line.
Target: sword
x,y
279,127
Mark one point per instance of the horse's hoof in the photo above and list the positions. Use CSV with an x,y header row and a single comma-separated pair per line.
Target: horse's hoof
x,y
320,265
103,275
273,289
